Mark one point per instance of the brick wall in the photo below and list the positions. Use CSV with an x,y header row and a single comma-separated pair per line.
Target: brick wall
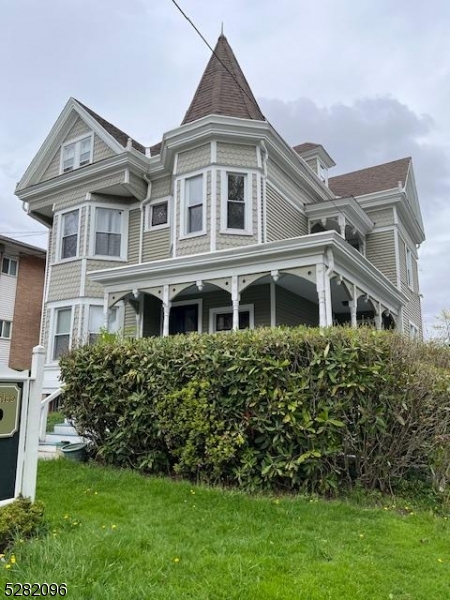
x,y
27,311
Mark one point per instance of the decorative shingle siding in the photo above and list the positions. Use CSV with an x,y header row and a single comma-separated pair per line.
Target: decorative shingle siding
x,y
152,316
137,186
382,218
77,330
161,187
293,310
92,288
194,159
312,164
228,240
134,236
285,183
412,311
156,245
239,156
200,243
380,250
65,281
101,150
283,219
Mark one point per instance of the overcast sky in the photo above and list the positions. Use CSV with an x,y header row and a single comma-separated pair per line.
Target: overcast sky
x,y
369,80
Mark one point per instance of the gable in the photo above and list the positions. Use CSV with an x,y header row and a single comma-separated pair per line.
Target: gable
x,y
73,121
78,129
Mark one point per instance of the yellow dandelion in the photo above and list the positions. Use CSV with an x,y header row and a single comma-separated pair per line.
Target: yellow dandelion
x,y
361,535
95,493
113,526
276,501
13,560
103,526
440,560
176,560
8,566
66,516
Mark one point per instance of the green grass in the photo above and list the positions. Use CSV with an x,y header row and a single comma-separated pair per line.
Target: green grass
x,y
54,418
117,535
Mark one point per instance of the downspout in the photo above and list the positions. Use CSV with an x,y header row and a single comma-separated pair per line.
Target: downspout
x,y
145,201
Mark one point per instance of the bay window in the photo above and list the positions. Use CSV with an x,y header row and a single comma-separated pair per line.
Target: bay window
x,y
62,328
69,234
108,232
194,198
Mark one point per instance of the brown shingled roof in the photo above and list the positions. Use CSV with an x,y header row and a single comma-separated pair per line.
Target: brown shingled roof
x,y
306,147
117,133
222,91
155,149
370,180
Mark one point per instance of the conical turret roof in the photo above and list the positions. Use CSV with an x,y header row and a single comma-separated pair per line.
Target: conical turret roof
x,y
223,89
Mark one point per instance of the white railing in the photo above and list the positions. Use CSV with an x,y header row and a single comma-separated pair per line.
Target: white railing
x,y
44,412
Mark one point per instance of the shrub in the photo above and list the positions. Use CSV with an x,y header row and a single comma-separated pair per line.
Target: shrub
x,y
269,408
20,519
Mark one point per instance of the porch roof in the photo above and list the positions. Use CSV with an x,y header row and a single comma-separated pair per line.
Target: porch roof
x,y
326,247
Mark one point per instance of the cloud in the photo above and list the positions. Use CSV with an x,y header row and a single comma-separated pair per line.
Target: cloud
x,y
371,131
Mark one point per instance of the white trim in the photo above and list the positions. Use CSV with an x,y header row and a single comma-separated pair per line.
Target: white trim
x,y
248,201
273,304
213,151
83,276
76,160
259,207
148,227
59,237
213,312
124,232
10,258
213,211
409,267
397,259
53,310
199,303
184,208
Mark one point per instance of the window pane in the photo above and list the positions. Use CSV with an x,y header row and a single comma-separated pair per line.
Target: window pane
x,y
5,266
113,320
63,320
224,321
236,215
69,246
68,157
85,151
96,319
5,329
244,320
107,244
195,219
194,190
109,220
159,214
13,267
61,345
236,187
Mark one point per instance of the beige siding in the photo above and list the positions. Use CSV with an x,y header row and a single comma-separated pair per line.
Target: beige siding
x,y
194,159
129,324
77,331
200,243
92,288
380,250
134,229
312,164
101,150
293,310
137,186
152,316
237,155
161,187
382,218
283,220
64,281
412,311
229,240
285,183
156,245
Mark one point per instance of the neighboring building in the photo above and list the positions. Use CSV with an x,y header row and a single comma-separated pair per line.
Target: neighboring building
x,y
221,225
22,275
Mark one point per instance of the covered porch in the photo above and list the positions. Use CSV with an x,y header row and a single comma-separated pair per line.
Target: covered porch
x,y
315,280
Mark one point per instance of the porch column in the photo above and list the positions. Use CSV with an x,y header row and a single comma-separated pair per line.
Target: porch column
x,y
324,293
378,317
342,223
352,305
166,308
235,297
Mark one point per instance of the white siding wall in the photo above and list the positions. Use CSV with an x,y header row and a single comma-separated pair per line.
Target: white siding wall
x,y
7,300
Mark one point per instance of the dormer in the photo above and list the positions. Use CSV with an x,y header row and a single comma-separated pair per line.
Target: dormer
x,y
317,159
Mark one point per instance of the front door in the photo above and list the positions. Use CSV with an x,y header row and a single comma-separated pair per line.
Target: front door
x,y
183,319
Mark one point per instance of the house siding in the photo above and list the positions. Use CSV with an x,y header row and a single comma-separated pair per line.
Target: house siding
x,y
382,218
8,287
285,183
194,159
134,236
380,250
283,219
65,281
161,187
413,310
156,245
293,310
129,321
239,156
92,288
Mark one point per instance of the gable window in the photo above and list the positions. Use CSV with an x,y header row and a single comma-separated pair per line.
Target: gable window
x,y
108,232
194,204
409,267
69,237
158,214
61,337
97,322
236,184
221,319
5,329
76,154
9,266
413,331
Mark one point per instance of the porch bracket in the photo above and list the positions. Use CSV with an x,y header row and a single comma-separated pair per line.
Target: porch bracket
x,y
244,281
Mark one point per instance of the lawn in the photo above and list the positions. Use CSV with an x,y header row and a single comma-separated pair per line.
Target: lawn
x,y
117,535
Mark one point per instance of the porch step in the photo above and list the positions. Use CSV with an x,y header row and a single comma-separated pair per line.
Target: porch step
x,y
57,438
64,429
63,433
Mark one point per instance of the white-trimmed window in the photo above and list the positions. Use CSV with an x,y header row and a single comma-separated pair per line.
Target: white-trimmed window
x,y
9,266
69,234
323,173
76,153
413,331
195,203
158,215
221,319
97,321
62,329
236,203
409,267
109,232
5,329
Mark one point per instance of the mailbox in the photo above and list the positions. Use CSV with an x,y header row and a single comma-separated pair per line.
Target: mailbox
x,y
9,409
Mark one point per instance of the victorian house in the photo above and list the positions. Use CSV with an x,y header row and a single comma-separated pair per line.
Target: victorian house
x,y
222,225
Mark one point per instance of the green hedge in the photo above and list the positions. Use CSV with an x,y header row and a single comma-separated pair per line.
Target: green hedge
x,y
20,520
269,408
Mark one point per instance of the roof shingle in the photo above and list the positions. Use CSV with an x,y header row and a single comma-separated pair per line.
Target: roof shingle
x,y
370,180
223,89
